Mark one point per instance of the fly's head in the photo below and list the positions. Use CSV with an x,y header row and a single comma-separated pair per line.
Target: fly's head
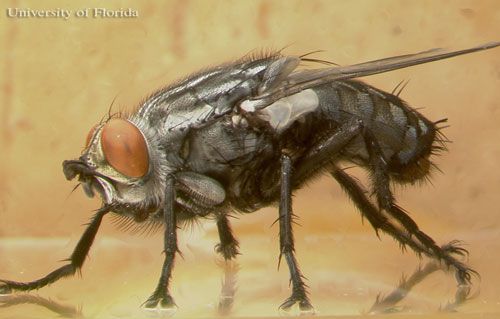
x,y
122,162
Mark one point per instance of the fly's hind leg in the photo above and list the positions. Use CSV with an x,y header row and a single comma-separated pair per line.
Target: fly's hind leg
x,y
381,185
380,222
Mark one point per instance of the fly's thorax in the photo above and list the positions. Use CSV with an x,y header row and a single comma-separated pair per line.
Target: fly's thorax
x,y
125,157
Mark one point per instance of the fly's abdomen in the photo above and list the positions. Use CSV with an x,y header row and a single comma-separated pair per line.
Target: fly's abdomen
x,y
406,138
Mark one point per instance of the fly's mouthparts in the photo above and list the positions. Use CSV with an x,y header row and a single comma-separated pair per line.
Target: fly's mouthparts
x,y
71,168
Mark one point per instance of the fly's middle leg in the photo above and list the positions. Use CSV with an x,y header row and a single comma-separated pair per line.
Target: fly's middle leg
x,y
317,156
299,288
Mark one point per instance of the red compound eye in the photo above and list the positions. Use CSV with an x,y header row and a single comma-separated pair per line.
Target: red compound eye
x,y
124,148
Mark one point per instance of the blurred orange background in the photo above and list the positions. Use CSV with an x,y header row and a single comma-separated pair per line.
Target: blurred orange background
x,y
59,77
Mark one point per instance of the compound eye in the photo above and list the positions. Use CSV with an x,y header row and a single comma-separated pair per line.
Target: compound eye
x,y
124,148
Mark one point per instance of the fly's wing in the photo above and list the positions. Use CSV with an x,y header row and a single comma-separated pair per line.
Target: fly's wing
x,y
304,79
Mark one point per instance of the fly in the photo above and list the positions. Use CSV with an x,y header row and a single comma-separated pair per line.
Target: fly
x,y
245,135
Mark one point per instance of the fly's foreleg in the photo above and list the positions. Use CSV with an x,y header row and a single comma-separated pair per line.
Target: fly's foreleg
x,y
76,260
381,185
299,288
161,294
